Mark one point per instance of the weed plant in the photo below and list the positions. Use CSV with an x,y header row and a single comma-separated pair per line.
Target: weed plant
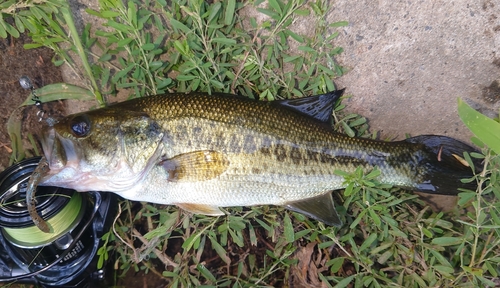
x,y
389,237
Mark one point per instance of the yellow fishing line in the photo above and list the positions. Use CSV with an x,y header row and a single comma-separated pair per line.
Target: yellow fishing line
x,y
61,223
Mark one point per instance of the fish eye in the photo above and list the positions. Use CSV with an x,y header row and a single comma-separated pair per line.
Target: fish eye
x,y
80,125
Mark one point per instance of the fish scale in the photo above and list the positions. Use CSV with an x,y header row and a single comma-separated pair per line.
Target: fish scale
x,y
202,152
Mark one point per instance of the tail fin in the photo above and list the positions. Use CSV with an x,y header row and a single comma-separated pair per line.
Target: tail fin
x,y
445,165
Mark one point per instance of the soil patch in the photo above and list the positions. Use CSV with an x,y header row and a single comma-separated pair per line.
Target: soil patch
x,y
15,62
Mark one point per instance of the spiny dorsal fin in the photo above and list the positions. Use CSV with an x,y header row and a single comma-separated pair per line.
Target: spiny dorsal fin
x,y
195,166
319,107
320,208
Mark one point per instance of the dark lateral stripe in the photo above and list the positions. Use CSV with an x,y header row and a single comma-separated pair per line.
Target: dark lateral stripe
x,y
300,156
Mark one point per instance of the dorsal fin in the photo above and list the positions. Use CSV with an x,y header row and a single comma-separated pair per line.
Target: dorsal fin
x,y
319,107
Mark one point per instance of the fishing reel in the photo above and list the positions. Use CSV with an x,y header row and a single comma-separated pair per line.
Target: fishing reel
x,y
66,257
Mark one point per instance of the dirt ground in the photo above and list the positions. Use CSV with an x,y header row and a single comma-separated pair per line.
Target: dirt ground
x,y
15,62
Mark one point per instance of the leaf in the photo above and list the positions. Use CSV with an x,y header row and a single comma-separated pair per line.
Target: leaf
x,y
59,91
418,279
191,241
491,269
14,131
19,23
335,264
295,36
214,11
291,58
120,27
359,121
373,174
148,46
3,32
446,241
105,14
368,242
124,42
226,41
182,47
122,73
11,30
275,5
179,26
347,129
384,257
217,84
186,77
269,13
288,227
93,13
485,128
465,197
306,49
220,250
205,272
339,24
302,12
132,13
444,269
229,14
374,217
345,282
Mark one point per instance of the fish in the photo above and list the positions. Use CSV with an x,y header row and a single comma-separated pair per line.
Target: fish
x,y
202,152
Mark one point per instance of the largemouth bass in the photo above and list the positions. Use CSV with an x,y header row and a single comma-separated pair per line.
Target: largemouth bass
x,y
202,152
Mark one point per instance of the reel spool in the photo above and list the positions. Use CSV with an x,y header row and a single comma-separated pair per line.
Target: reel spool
x,y
65,257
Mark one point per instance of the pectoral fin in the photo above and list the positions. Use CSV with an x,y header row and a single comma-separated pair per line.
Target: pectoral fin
x,y
195,166
201,209
320,208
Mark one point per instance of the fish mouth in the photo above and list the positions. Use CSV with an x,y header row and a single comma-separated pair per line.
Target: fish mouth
x,y
61,154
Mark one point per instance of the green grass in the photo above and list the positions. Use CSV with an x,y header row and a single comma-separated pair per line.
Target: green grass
x,y
390,237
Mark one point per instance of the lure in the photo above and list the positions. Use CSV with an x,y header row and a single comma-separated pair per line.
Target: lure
x,y
35,178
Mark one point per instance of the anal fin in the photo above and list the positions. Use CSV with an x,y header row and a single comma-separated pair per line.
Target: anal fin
x,y
320,208
201,209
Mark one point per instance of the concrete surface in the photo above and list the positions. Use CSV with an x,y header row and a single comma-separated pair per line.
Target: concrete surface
x,y
409,61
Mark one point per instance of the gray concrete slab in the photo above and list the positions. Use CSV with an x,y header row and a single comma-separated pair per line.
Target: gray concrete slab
x,y
409,61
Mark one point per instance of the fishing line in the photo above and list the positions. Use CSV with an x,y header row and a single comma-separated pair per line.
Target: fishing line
x,y
68,261
62,222
97,204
